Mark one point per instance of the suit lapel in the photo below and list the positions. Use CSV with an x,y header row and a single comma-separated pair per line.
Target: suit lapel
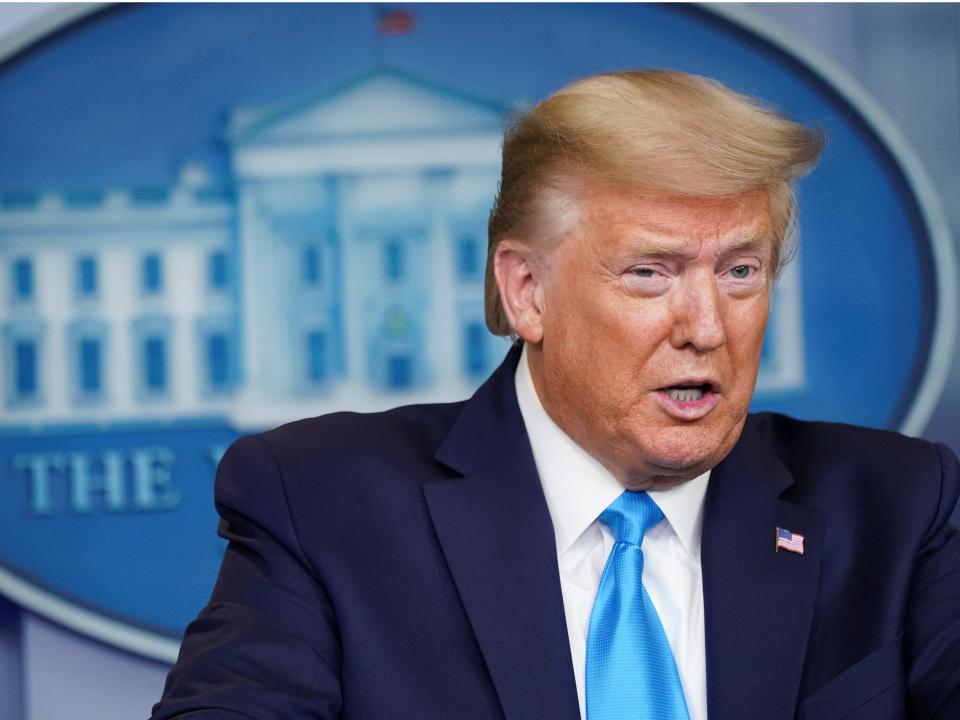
x,y
758,602
497,537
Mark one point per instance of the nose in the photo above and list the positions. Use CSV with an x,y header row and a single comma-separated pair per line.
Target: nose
x,y
698,315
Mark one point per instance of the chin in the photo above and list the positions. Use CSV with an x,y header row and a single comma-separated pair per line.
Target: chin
x,y
681,450
661,468
656,482
675,465
685,467
692,447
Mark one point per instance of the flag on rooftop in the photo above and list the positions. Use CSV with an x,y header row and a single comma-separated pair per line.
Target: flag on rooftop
x,y
394,20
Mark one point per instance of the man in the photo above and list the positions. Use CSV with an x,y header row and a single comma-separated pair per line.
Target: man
x,y
601,531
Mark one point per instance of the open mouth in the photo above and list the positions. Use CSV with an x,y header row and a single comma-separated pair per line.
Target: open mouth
x,y
689,400
688,392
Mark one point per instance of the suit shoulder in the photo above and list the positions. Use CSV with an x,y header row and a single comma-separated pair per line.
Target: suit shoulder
x,y
868,462
399,434
343,431
325,472
790,437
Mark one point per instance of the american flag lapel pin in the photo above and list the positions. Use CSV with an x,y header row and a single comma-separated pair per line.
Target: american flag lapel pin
x,y
789,541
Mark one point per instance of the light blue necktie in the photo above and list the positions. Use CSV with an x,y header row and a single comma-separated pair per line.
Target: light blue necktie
x,y
630,668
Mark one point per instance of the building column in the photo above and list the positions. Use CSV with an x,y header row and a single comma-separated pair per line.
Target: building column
x,y
444,335
257,305
354,260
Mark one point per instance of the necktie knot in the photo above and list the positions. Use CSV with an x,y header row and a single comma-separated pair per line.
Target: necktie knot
x,y
630,516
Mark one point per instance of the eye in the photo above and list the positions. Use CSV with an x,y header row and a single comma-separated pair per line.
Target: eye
x,y
649,279
741,272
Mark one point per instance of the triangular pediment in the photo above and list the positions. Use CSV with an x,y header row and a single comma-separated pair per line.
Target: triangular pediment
x,y
379,103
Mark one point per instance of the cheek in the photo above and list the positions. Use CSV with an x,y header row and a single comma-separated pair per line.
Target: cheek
x,y
745,346
746,325
591,365
575,327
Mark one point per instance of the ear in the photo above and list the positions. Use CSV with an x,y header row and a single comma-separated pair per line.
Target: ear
x,y
520,281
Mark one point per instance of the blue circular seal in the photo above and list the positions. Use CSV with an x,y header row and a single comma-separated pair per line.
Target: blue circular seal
x,y
215,219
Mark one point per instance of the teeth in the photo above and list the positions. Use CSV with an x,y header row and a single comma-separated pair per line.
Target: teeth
x,y
685,394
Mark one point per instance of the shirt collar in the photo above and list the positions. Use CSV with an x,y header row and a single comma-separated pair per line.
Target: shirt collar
x,y
578,488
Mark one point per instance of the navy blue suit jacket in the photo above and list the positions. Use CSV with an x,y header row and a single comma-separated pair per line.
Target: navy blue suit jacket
x,y
402,565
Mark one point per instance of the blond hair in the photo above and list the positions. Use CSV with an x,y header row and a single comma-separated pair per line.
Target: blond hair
x,y
658,131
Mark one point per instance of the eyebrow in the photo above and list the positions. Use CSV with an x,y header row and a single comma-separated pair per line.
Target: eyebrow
x,y
651,247
753,243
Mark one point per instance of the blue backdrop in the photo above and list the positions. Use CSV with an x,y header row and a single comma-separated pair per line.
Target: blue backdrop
x,y
183,257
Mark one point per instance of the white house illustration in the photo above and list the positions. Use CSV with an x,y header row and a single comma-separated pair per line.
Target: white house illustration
x,y
341,268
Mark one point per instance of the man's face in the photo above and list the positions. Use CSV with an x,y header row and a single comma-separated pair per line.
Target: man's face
x,y
652,314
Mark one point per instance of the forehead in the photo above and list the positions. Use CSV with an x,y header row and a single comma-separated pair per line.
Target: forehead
x,y
625,217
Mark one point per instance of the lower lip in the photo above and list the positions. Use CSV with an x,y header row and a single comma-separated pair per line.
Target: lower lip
x,y
688,410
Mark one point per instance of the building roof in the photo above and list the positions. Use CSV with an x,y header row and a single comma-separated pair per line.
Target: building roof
x,y
378,102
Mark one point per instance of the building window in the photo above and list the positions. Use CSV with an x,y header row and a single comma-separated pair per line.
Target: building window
x,y
393,260
90,359
311,265
218,361
154,359
217,271
468,258
316,356
86,276
215,354
151,274
86,341
22,363
474,349
25,362
399,372
397,324
22,280
155,363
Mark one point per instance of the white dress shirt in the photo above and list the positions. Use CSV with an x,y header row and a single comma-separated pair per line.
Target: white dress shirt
x,y
578,489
